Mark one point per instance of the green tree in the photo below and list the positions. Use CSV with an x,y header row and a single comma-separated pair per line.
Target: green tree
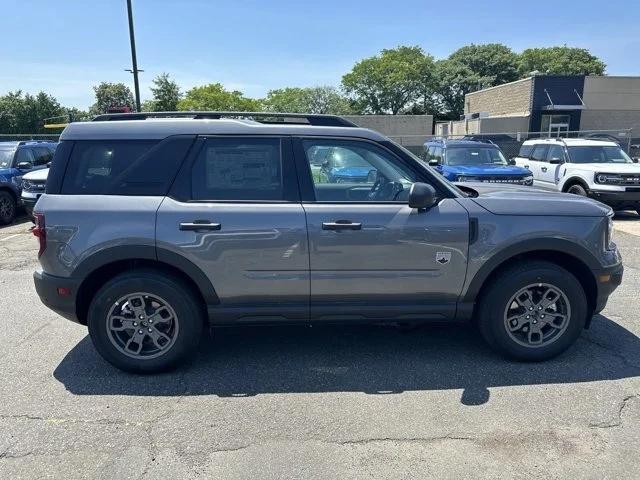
x,y
390,82
494,63
166,94
110,95
26,113
454,81
325,99
215,97
560,61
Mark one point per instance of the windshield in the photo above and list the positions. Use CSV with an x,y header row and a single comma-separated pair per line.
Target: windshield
x,y
474,156
598,154
6,156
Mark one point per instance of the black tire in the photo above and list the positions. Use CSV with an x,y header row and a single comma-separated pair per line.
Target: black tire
x,y
577,190
497,298
7,208
179,297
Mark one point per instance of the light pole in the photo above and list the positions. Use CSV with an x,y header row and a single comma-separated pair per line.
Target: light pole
x,y
134,61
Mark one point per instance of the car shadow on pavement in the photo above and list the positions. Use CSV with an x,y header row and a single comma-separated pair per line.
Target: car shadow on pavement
x,y
248,361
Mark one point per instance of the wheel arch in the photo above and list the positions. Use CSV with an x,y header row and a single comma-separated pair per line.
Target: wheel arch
x,y
568,255
575,180
103,266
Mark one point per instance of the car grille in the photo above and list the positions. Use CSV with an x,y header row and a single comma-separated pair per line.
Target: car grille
x,y
34,185
631,179
497,179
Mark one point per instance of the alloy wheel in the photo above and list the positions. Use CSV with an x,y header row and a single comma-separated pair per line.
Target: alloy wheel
x,y
142,325
537,315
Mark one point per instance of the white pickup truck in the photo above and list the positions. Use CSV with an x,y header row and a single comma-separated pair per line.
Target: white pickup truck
x,y
598,169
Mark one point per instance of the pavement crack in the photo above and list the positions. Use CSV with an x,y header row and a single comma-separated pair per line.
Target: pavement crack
x,y
57,420
617,421
440,438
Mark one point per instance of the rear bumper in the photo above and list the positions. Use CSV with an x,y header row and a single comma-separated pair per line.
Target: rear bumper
x,y
607,280
617,199
47,287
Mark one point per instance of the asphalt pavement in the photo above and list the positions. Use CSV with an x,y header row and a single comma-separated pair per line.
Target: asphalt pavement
x,y
330,402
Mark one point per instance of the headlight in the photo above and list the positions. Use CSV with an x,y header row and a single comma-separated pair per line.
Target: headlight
x,y
608,239
528,180
610,178
26,185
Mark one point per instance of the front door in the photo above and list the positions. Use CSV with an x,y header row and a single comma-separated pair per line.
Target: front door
x,y
234,212
371,256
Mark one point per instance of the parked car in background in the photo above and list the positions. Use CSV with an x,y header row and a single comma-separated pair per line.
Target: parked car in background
x,y
340,165
16,159
153,229
599,169
508,144
473,161
33,185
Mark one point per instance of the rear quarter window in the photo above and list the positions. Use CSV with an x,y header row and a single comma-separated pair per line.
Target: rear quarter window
x,y
124,167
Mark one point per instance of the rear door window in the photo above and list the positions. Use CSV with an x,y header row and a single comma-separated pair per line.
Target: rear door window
x,y
525,151
240,169
124,167
539,153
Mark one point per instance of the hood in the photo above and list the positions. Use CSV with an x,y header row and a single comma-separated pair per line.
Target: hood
x,y
41,174
518,200
487,169
351,171
632,168
9,172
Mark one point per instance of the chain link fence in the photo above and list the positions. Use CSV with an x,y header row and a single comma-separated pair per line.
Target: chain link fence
x,y
23,137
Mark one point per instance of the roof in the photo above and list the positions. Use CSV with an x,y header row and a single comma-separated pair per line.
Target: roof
x,y
463,143
575,142
159,128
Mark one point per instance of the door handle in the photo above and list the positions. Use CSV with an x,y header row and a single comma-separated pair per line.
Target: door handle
x,y
544,169
198,225
342,225
526,166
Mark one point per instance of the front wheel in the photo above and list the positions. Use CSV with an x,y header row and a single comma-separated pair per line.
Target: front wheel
x,y
577,190
7,208
145,321
534,311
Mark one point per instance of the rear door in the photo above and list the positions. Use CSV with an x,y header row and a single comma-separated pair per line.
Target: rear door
x,y
234,212
537,160
376,258
551,167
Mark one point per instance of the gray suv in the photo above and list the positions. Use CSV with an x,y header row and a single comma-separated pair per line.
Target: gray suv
x,y
154,227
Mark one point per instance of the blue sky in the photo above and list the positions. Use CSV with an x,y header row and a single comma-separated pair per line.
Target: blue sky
x,y
64,47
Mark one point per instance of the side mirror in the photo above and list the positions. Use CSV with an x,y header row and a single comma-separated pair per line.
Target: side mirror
x,y
25,166
634,159
555,161
49,164
511,161
422,196
433,163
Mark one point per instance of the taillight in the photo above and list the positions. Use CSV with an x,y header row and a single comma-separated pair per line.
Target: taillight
x,y
40,231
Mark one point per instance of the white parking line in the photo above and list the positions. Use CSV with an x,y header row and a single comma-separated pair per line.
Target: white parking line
x,y
9,237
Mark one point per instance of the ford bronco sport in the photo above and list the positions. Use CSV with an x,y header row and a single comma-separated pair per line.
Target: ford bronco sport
x,y
153,227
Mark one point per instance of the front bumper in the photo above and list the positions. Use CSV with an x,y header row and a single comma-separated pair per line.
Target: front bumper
x,y
49,287
617,199
607,280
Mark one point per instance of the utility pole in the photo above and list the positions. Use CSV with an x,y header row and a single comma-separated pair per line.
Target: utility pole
x,y
134,61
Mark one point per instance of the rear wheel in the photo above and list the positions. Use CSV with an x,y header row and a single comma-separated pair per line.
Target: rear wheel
x,y
7,208
534,311
577,190
145,321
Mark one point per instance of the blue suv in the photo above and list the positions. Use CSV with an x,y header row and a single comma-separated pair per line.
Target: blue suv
x,y
473,161
16,159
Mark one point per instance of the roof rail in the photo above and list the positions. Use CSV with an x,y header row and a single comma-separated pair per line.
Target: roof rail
x,y
25,142
277,117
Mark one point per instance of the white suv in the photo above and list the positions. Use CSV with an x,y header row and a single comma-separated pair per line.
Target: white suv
x,y
598,169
